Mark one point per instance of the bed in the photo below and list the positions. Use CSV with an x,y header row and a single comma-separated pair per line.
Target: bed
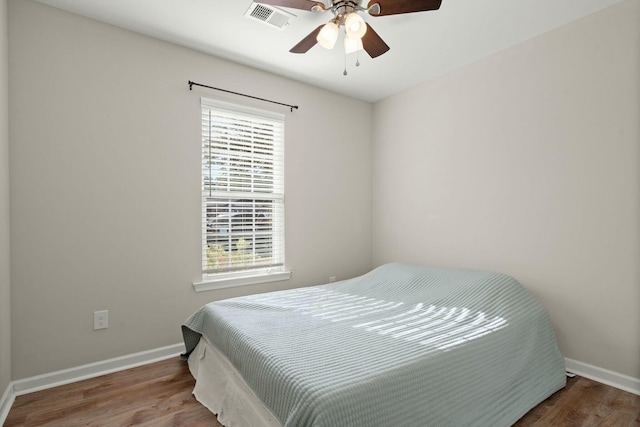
x,y
401,345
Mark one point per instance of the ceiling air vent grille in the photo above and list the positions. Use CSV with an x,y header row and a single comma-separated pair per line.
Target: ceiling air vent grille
x,y
269,15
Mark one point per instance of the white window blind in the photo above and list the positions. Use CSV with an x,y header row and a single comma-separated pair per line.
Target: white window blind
x,y
242,191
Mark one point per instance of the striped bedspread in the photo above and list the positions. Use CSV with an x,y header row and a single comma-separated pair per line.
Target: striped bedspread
x,y
401,345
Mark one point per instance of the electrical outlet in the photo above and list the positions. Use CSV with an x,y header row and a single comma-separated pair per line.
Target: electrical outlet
x,y
100,319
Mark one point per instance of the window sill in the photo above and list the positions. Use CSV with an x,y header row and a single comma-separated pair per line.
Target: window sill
x,y
213,284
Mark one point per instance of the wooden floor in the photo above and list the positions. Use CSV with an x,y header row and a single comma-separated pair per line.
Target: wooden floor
x,y
160,395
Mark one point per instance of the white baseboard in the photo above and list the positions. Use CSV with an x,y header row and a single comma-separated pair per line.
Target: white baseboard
x,y
66,376
604,376
92,370
6,401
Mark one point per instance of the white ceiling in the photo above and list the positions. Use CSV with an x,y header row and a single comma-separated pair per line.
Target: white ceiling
x,y
423,45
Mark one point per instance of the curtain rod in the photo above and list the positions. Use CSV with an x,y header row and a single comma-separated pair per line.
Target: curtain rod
x,y
191,84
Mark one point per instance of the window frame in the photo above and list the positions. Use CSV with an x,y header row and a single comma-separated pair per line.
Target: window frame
x,y
219,280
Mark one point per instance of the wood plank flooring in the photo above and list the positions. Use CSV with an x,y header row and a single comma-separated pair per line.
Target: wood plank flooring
x,y
159,394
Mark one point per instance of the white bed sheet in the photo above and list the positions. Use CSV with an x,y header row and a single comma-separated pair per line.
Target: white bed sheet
x,y
221,389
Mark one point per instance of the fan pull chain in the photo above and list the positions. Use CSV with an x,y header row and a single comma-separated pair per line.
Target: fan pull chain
x,y
344,73
358,58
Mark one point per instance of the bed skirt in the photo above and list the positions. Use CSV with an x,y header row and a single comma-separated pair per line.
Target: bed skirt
x,y
224,392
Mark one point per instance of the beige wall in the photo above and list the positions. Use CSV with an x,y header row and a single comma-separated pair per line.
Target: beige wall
x,y
528,162
105,185
5,297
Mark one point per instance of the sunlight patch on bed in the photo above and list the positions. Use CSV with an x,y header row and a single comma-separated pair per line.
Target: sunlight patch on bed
x,y
326,304
437,327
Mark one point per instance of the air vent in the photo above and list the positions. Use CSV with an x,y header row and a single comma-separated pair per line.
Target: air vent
x,y
272,16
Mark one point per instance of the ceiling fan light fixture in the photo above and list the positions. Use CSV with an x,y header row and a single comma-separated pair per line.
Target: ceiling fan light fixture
x,y
355,26
352,45
328,35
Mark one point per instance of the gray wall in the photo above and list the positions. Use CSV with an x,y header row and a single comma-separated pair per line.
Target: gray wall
x,y
528,162
105,209
525,162
5,294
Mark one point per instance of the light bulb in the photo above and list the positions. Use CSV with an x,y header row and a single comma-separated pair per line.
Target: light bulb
x,y
355,26
328,35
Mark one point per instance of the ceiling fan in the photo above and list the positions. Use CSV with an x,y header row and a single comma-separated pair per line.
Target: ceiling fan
x,y
358,34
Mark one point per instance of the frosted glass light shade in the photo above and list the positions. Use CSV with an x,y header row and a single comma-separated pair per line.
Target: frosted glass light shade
x,y
328,35
355,26
352,45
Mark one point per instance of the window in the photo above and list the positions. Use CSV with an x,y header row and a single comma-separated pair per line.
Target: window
x,y
242,196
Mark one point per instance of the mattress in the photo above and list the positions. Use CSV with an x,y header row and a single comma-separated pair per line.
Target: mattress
x,y
401,345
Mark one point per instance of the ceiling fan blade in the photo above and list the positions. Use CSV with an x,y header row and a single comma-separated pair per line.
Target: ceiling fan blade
x,y
373,43
395,7
296,4
308,42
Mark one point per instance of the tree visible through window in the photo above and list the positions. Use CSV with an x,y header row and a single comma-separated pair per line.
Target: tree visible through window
x,y
242,190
